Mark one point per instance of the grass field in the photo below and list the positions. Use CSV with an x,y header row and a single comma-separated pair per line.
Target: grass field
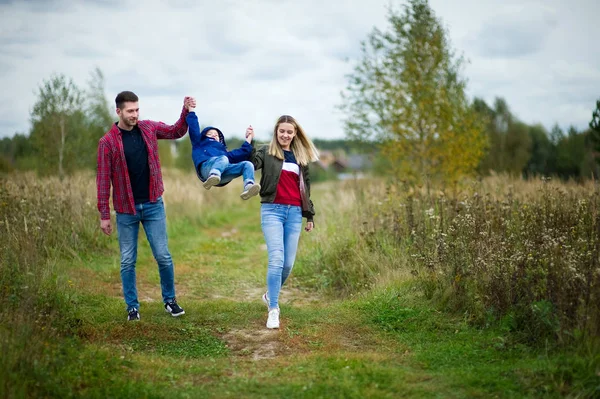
x,y
64,331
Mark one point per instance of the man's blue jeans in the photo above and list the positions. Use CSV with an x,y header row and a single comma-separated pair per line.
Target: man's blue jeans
x,y
153,218
227,171
281,226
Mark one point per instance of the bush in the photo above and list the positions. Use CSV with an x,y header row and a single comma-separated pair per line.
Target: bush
x,y
492,249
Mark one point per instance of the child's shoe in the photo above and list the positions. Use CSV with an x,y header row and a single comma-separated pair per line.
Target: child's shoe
x,y
212,180
250,190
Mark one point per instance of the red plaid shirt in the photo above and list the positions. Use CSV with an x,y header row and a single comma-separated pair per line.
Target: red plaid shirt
x,y
112,167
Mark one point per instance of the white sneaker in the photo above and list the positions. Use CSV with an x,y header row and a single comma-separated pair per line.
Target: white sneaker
x,y
273,320
250,191
212,180
265,299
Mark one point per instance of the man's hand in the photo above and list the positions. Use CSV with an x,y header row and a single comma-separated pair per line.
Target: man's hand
x,y
249,134
309,226
189,103
106,226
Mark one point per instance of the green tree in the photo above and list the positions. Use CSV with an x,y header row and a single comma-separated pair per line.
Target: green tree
x,y
6,155
590,167
56,116
17,153
407,94
556,134
570,154
517,148
594,134
67,123
490,159
98,120
98,112
541,150
509,139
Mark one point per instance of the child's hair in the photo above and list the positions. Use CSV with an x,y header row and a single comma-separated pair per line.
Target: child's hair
x,y
303,148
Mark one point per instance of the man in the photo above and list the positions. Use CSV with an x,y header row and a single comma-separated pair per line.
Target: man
x,y
128,158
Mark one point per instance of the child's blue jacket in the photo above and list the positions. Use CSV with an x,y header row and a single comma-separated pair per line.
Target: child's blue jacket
x,y
204,148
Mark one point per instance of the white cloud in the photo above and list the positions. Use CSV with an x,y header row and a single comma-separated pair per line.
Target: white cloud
x,y
517,32
247,62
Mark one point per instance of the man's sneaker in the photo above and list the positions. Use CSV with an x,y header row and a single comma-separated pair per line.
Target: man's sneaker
x,y
173,308
250,191
133,314
265,299
212,180
273,320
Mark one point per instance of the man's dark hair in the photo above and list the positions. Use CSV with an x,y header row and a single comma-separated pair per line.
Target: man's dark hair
x,y
125,97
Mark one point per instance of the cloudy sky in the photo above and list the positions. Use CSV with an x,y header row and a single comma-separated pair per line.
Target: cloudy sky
x,y
247,62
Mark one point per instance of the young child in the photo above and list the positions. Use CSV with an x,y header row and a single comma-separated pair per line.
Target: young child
x,y
215,166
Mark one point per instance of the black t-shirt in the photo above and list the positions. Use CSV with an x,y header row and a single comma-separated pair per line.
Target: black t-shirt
x,y
136,156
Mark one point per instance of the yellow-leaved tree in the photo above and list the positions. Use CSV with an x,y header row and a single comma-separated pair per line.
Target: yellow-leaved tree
x,y
406,93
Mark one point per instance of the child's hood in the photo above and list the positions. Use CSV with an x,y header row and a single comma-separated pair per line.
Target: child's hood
x,y
206,129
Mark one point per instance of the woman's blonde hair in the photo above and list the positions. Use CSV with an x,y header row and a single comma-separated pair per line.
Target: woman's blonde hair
x,y
303,148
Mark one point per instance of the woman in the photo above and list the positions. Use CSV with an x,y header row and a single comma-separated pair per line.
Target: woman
x,y
285,199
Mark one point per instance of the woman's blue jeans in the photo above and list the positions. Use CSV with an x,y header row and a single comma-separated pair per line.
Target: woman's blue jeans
x,y
281,226
227,171
153,218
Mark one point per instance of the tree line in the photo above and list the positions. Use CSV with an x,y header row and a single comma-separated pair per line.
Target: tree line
x,y
66,123
64,135
526,150
405,102
407,93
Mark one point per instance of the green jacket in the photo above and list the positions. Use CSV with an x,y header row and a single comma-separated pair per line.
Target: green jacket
x,y
271,170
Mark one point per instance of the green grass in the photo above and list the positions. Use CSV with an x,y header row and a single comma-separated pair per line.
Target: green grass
x,y
387,342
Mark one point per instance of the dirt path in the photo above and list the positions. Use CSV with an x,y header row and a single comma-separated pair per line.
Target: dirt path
x,y
207,272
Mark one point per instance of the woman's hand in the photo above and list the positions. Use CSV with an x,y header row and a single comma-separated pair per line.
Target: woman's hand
x,y
309,226
249,134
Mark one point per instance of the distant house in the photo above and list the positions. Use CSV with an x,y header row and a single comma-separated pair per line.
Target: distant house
x,y
352,163
342,165
339,165
359,162
326,157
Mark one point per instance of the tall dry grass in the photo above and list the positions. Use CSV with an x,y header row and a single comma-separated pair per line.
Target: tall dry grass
x,y
522,252
44,225
41,223
45,222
